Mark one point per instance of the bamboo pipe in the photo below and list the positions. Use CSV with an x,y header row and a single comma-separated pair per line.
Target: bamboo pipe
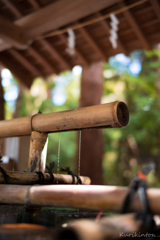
x,y
107,115
30,178
81,196
113,227
37,152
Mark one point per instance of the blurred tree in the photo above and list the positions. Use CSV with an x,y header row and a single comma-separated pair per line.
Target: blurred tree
x,y
136,143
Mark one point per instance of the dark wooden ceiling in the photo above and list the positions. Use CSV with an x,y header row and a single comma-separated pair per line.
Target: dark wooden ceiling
x,y
22,21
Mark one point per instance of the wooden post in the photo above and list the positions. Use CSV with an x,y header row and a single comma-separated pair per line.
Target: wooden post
x,y
37,152
158,102
92,139
1,98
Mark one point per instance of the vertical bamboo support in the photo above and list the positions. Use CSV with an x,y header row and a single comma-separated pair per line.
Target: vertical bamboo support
x,y
37,152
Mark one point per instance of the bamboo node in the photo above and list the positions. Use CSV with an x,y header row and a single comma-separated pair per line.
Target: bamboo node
x,y
27,200
32,119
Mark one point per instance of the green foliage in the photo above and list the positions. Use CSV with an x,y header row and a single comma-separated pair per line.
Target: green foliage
x,y
125,149
140,93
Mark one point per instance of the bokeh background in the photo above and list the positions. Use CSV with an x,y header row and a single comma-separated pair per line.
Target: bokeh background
x,y
134,80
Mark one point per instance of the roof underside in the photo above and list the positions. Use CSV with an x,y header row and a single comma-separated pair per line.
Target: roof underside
x,y
22,21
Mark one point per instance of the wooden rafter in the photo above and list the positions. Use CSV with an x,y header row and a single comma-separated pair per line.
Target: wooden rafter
x,y
24,62
59,14
156,8
55,53
34,4
81,58
107,29
13,34
43,61
12,8
20,75
47,45
128,15
92,43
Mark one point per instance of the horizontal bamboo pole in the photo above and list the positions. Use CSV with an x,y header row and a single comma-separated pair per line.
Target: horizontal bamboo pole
x,y
113,227
27,178
107,115
81,196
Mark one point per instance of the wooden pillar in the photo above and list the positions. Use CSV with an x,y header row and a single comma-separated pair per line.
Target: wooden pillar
x,y
1,98
37,152
92,139
158,92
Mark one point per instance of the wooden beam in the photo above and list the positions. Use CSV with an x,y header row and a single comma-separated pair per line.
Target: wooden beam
x,y
59,14
16,71
138,32
156,8
81,58
24,62
47,45
43,61
92,43
106,27
34,4
55,53
13,34
12,8
4,45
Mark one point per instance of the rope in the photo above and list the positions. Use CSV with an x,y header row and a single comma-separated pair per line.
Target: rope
x,y
67,169
139,185
50,169
5,176
89,22
41,177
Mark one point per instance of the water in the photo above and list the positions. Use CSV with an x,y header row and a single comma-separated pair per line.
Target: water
x,y
58,154
79,158
15,146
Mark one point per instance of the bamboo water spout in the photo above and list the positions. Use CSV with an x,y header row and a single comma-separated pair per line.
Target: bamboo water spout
x,y
107,115
83,196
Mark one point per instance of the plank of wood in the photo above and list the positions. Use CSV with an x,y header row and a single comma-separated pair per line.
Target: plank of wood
x,y
23,78
132,21
13,34
59,14
156,8
12,8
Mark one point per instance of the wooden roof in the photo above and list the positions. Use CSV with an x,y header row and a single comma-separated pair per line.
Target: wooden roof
x,y
22,22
